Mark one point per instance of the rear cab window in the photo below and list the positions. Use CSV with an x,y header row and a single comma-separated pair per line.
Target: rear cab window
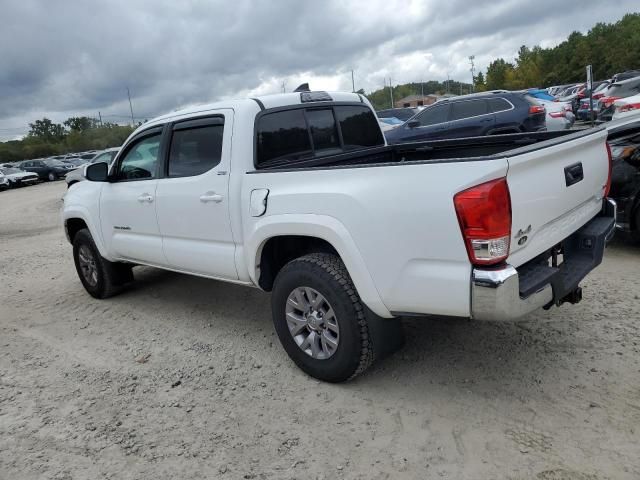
x,y
307,132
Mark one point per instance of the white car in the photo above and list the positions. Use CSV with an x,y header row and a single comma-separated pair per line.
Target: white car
x,y
17,177
298,194
559,115
626,107
4,182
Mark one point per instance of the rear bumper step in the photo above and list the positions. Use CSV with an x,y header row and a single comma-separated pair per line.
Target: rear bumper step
x,y
508,293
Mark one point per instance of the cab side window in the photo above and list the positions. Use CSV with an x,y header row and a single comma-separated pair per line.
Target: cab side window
x,y
140,162
195,151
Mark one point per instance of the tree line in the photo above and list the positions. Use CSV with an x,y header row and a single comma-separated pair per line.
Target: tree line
x,y
609,47
76,134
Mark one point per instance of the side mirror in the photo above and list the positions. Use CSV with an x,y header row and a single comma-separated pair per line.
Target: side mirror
x,y
413,123
97,172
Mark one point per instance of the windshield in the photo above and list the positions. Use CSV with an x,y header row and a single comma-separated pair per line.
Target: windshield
x,y
9,171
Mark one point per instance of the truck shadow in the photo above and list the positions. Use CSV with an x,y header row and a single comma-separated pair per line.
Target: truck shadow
x,y
484,358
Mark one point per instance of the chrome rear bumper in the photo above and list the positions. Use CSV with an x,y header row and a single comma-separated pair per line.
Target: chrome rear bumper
x,y
496,293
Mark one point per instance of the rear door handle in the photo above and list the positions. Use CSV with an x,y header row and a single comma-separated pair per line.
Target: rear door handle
x,y
145,197
211,197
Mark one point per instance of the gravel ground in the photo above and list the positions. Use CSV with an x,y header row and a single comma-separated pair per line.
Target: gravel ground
x,y
181,377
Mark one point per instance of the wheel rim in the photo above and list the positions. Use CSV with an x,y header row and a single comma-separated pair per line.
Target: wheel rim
x,y
88,266
52,177
312,323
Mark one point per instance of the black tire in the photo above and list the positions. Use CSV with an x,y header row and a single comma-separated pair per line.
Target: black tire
x,y
635,232
110,276
326,274
52,176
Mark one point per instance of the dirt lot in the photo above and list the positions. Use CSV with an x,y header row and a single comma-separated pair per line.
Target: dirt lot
x,y
182,377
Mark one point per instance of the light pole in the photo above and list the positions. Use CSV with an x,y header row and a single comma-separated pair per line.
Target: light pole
x,y
473,72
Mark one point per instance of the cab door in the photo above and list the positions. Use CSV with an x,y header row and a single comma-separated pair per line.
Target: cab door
x,y
128,202
193,197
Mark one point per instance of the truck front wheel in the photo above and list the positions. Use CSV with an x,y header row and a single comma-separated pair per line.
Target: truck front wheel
x,y
100,277
320,319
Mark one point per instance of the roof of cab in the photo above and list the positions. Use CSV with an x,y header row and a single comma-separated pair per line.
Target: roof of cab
x,y
268,101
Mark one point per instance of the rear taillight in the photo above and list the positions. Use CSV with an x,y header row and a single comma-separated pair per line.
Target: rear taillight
x,y
607,187
484,214
597,95
533,109
628,107
607,101
557,114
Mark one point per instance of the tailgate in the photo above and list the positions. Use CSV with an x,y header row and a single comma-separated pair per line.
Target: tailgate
x,y
556,187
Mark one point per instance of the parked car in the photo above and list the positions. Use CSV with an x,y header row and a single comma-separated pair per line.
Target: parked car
x,y
473,115
624,141
17,177
4,182
345,231
402,114
616,91
626,107
47,169
618,77
105,156
583,112
76,162
559,115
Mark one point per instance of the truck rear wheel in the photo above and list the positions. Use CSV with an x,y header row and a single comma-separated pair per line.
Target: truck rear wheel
x,y
320,320
100,277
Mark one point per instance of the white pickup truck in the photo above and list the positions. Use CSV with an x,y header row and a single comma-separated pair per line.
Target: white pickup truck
x,y
298,194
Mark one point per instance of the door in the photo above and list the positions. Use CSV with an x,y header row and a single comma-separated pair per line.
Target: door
x,y
433,124
469,118
193,197
128,203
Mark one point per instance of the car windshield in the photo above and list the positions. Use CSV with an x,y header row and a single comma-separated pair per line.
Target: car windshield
x,y
55,163
9,171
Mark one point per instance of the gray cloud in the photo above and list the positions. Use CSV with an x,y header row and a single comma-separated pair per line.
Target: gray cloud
x,y
74,57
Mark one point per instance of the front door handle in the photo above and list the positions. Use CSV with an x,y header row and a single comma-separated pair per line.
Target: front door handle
x,y
145,197
211,197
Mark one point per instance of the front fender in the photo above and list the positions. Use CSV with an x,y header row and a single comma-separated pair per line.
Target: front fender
x,y
320,226
83,213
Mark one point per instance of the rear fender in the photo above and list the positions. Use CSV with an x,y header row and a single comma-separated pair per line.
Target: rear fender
x,y
319,226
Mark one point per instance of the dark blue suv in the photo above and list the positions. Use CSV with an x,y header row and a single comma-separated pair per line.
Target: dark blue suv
x,y
474,115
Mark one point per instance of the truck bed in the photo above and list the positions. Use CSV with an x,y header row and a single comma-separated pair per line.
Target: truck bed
x,y
436,151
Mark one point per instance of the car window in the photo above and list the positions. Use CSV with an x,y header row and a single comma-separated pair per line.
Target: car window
x,y
467,108
283,135
359,127
324,132
141,160
195,150
498,105
434,115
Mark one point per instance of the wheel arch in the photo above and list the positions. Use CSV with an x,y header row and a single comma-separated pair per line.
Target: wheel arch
x,y
299,235
77,219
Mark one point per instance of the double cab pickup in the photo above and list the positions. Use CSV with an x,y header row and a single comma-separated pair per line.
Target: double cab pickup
x,y
298,194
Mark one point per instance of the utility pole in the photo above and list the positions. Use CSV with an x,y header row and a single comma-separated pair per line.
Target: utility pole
x,y
100,117
473,71
133,122
448,82
422,89
391,92
353,83
284,86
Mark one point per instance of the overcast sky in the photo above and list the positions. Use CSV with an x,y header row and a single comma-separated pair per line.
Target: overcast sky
x,y
61,59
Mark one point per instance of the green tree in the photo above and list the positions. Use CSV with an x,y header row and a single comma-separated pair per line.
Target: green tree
x,y
46,131
80,124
